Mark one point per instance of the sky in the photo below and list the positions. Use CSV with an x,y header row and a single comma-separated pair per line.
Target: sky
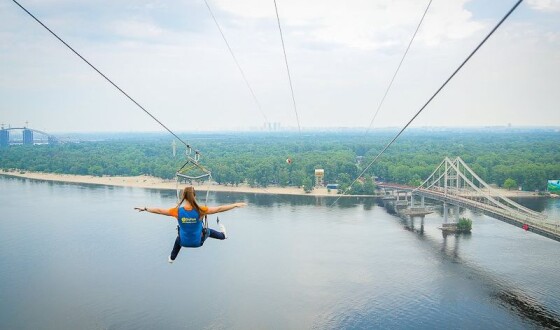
x,y
170,57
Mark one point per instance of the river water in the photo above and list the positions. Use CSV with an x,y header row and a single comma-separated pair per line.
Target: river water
x,y
78,256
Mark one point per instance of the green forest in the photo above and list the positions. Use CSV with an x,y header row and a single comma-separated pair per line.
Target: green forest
x,y
506,158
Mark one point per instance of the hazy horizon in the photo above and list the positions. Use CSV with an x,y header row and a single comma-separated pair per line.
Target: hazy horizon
x,y
333,130
171,58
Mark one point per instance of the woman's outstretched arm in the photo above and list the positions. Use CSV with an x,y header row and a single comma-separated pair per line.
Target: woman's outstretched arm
x,y
153,210
223,208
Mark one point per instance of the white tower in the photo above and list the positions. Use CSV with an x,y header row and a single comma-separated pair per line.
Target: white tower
x,y
319,175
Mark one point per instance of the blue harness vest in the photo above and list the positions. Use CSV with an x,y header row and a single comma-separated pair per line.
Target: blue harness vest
x,y
190,228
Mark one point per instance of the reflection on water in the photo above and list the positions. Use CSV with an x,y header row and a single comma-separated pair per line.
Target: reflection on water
x,y
550,207
536,204
290,262
521,304
530,309
505,293
268,200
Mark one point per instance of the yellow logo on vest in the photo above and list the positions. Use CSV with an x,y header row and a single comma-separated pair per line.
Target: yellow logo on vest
x,y
188,220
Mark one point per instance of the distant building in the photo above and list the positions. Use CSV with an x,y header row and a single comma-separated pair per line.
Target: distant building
x,y
272,127
319,176
4,137
27,136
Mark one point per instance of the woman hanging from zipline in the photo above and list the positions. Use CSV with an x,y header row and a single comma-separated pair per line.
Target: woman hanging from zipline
x,y
190,217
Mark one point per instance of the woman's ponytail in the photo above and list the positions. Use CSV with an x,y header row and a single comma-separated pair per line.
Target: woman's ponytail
x,y
190,195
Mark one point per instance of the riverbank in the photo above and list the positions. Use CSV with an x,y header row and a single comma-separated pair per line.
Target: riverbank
x,y
149,182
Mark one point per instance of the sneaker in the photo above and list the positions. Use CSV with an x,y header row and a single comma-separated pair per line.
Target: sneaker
x,y
222,228
170,260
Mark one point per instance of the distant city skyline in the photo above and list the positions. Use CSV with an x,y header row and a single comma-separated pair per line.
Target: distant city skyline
x,y
170,57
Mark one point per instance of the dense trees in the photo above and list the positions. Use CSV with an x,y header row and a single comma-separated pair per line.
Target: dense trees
x,y
528,158
510,184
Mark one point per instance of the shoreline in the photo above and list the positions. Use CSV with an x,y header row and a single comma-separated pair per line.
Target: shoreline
x,y
149,182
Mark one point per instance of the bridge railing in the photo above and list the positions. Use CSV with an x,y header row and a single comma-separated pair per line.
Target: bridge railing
x,y
542,223
479,199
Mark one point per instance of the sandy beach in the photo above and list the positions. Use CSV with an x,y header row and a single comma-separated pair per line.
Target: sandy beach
x,y
144,181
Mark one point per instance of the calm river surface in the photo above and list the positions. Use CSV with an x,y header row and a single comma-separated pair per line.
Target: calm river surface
x,y
78,257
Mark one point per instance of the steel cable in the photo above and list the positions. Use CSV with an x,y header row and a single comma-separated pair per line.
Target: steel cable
x,y
236,62
432,97
287,66
398,68
103,75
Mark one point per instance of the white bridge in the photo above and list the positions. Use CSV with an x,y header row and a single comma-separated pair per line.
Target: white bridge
x,y
455,183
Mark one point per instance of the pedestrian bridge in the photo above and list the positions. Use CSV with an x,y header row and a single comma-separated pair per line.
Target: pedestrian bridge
x,y
453,182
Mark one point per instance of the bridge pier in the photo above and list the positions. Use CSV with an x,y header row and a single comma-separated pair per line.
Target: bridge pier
x,y
412,209
449,226
400,203
422,217
456,213
413,201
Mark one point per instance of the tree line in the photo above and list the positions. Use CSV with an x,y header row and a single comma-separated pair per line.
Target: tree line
x,y
504,158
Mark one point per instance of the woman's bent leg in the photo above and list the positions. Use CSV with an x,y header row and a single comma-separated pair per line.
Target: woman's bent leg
x,y
176,248
216,234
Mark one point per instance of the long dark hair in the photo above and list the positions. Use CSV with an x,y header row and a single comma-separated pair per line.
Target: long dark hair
x,y
190,195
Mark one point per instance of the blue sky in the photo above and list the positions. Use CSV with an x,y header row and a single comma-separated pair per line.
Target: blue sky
x,y
170,57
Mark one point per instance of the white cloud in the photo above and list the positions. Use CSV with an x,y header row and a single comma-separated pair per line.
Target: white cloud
x,y
341,55
137,29
545,5
362,24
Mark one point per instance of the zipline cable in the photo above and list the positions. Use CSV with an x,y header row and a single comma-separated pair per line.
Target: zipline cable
x,y
236,62
104,76
398,68
432,97
287,66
